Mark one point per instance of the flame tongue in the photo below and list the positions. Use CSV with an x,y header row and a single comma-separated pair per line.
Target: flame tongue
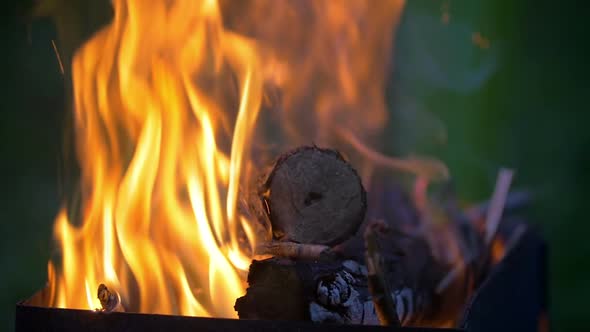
x,y
160,191
166,102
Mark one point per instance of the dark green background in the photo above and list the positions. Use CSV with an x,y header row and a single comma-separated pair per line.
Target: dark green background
x,y
521,103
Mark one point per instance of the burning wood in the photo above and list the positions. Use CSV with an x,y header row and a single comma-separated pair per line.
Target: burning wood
x,y
378,286
295,250
109,300
313,195
165,128
339,290
319,268
494,214
313,198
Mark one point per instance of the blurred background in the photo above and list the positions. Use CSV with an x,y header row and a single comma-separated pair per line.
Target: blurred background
x,y
480,84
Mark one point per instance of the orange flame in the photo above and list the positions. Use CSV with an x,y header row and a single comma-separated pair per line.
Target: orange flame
x,y
167,100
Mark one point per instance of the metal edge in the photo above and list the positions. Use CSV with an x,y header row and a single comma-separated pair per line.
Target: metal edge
x,y
516,290
36,318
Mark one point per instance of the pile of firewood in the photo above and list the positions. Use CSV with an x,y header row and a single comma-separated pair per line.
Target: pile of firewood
x,y
332,261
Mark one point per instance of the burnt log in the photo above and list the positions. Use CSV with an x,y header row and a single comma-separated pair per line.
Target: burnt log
x,y
337,290
312,195
282,289
276,292
315,204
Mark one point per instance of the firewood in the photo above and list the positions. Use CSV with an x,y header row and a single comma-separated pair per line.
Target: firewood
x,y
313,196
276,292
337,289
324,270
109,300
378,286
295,250
282,289
493,218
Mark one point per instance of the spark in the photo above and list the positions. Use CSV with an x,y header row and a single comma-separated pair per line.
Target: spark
x,y
61,66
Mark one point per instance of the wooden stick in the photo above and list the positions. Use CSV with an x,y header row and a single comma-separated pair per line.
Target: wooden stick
x,y
515,200
378,287
496,208
494,216
295,250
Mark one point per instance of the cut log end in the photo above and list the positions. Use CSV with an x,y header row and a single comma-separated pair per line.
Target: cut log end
x,y
314,196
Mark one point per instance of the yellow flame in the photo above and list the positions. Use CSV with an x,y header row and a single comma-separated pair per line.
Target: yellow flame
x,y
159,212
167,99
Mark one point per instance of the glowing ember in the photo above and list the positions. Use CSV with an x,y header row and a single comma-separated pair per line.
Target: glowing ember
x,y
167,99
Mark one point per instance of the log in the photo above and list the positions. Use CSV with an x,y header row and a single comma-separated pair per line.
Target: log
x,y
337,290
282,289
315,205
276,292
312,195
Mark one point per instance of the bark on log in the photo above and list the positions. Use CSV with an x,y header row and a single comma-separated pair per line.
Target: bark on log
x,y
313,195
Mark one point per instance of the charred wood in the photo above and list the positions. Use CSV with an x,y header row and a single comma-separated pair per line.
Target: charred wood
x,y
331,266
109,300
311,195
338,289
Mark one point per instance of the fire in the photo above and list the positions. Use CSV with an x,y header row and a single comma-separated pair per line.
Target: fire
x,y
167,101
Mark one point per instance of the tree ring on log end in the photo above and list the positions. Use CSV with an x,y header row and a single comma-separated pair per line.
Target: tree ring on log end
x,y
314,196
